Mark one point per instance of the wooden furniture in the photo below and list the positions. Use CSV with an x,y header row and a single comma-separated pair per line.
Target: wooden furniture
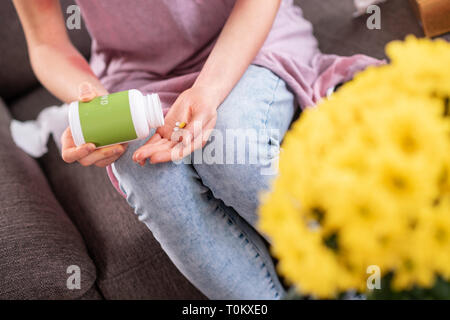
x,y
434,16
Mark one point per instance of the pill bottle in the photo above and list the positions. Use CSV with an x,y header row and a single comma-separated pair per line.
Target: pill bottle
x,y
115,118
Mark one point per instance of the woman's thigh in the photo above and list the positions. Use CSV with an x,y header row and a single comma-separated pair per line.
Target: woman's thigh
x,y
241,157
208,242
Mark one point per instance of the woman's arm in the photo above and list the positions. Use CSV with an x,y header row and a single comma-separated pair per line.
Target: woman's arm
x,y
55,61
240,40
62,70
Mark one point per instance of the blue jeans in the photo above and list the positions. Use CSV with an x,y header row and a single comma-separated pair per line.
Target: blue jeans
x,y
204,213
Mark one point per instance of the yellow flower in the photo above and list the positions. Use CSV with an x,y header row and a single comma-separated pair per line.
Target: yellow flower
x,y
365,179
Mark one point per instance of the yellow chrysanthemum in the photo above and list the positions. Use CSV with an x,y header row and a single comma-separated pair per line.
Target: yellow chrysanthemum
x,y
365,179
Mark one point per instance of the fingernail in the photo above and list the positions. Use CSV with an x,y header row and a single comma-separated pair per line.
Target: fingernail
x,y
85,98
84,89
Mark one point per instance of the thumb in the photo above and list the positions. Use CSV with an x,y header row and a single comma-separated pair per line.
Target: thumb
x,y
86,92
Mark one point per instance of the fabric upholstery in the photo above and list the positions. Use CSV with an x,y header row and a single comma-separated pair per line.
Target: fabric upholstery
x,y
341,34
38,242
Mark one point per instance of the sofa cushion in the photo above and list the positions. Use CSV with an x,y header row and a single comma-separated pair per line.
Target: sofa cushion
x,y
28,106
16,76
38,242
130,262
341,34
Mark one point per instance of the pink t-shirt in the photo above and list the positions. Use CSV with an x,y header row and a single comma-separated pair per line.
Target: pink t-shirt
x,y
161,45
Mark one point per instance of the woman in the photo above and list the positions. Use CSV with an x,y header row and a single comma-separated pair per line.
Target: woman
x,y
229,65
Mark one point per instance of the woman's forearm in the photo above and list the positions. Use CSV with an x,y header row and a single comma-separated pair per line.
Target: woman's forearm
x,y
240,40
55,61
61,70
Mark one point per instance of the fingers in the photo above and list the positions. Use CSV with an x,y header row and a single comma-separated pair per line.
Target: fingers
x,y
86,92
197,125
106,162
87,154
179,112
147,151
181,150
172,154
102,155
198,141
153,141
72,153
67,139
201,139
154,138
161,140
164,145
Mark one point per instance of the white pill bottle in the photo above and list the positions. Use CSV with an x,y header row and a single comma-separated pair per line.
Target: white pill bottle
x,y
115,118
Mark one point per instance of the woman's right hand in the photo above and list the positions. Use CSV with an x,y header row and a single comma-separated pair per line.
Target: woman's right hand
x,y
87,154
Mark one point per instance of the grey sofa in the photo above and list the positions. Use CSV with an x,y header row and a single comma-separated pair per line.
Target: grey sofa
x,y
54,215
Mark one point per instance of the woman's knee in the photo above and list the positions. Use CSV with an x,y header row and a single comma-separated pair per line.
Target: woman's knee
x,y
151,180
239,183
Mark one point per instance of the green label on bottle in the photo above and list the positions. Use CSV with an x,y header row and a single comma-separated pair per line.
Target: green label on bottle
x,y
107,120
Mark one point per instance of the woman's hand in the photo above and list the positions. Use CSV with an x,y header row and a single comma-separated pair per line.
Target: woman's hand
x,y
197,107
87,154
240,40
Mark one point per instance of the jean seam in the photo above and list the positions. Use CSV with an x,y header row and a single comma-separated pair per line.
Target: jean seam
x,y
269,107
256,249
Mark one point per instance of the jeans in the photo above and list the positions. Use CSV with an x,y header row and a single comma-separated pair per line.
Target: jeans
x,y
204,213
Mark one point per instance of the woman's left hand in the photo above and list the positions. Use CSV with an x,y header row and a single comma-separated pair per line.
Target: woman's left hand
x,y
197,108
